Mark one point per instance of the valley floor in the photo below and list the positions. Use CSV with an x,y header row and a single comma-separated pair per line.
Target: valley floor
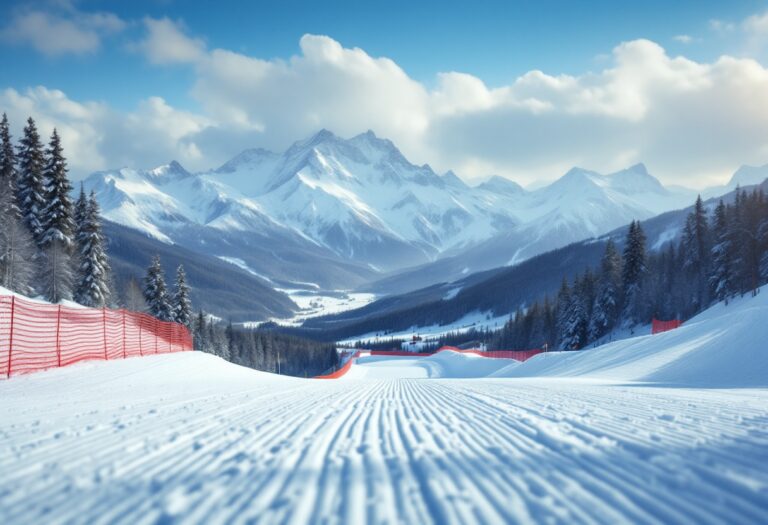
x,y
191,438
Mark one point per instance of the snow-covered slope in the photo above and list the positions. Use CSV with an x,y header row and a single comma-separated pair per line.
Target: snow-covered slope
x,y
190,438
361,200
723,347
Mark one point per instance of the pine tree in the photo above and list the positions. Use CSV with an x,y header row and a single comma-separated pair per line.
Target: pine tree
x,y
7,167
155,292
80,211
182,305
721,273
562,314
200,333
92,287
56,218
57,225
30,192
633,271
17,253
606,308
11,237
696,248
56,273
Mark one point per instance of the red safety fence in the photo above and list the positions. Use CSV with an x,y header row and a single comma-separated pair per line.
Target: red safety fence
x,y
36,336
658,327
342,370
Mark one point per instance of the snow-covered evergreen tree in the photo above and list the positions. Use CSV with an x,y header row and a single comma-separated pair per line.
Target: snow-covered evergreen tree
x,y
57,274
57,215
80,210
8,210
182,305
7,166
17,247
721,273
57,238
633,271
156,293
30,191
200,333
562,314
92,287
607,300
696,250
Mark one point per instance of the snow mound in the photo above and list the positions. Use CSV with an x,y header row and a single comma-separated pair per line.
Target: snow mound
x,y
725,346
446,364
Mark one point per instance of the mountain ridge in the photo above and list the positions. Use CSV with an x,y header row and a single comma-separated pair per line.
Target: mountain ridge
x,y
360,203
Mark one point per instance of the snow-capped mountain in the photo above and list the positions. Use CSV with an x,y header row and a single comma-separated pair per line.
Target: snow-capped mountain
x,y
362,199
361,207
744,176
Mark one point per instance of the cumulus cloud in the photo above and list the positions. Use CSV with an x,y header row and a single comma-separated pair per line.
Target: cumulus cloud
x,y
757,24
56,34
165,43
691,122
97,137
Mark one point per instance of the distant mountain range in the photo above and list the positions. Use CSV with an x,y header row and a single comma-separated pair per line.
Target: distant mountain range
x,y
499,291
335,213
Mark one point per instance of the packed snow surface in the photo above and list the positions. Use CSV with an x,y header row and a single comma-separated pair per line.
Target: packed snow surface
x,y
641,431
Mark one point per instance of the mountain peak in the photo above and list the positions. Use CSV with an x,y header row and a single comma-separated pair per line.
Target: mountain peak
x,y
322,136
500,184
452,179
635,179
748,175
172,170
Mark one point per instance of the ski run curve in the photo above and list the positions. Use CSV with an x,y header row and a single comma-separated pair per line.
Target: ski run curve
x,y
190,438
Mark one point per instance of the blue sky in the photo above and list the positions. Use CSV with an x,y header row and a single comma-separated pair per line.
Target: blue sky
x,y
96,53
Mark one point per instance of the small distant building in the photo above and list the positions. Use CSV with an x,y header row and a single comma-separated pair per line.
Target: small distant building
x,y
415,344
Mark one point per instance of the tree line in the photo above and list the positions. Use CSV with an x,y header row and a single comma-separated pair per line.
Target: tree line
x,y
265,350
48,244
719,255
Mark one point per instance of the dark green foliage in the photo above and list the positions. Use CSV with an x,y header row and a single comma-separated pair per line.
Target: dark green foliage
x,y
264,349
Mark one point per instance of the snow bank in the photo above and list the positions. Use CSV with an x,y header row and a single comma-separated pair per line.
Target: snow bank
x,y
445,364
723,347
39,299
158,377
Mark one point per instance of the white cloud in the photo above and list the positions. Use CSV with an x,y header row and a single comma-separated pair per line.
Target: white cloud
x,y
166,43
722,26
691,122
683,39
97,137
757,24
59,34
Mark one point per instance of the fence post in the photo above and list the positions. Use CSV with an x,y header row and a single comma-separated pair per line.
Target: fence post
x,y
10,338
58,336
104,328
139,318
155,326
123,310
